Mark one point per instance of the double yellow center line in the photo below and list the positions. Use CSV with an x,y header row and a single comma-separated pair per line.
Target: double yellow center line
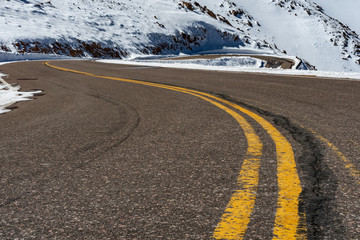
x,y
234,222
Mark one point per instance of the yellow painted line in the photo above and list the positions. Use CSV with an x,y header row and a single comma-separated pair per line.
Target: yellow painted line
x,y
354,172
236,218
288,219
237,215
288,222
234,222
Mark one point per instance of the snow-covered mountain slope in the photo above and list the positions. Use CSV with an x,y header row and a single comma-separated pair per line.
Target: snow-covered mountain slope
x,y
304,29
113,28
346,11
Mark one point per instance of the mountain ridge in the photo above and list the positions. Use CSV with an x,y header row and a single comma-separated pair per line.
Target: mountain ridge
x,y
113,29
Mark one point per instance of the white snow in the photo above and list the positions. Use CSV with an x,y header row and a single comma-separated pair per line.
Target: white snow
x,y
11,94
125,24
346,11
242,66
300,35
10,57
134,25
223,62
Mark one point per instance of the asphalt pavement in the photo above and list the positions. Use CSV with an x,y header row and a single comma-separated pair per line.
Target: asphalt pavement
x,y
128,152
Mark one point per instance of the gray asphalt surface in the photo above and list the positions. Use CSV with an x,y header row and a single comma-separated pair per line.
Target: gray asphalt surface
x,y
102,159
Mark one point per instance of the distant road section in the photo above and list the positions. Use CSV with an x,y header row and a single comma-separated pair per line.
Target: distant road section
x,y
271,62
124,152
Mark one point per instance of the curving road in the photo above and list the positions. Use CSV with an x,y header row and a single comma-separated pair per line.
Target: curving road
x,y
126,152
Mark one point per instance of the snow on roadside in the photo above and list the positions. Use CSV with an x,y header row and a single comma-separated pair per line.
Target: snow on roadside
x,y
12,57
235,68
11,94
239,52
228,62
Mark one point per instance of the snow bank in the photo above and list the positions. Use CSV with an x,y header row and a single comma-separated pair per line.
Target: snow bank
x,y
221,64
237,50
218,65
227,62
10,95
10,57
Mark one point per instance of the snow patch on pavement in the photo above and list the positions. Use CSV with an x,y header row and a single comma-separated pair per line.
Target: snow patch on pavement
x,y
11,94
